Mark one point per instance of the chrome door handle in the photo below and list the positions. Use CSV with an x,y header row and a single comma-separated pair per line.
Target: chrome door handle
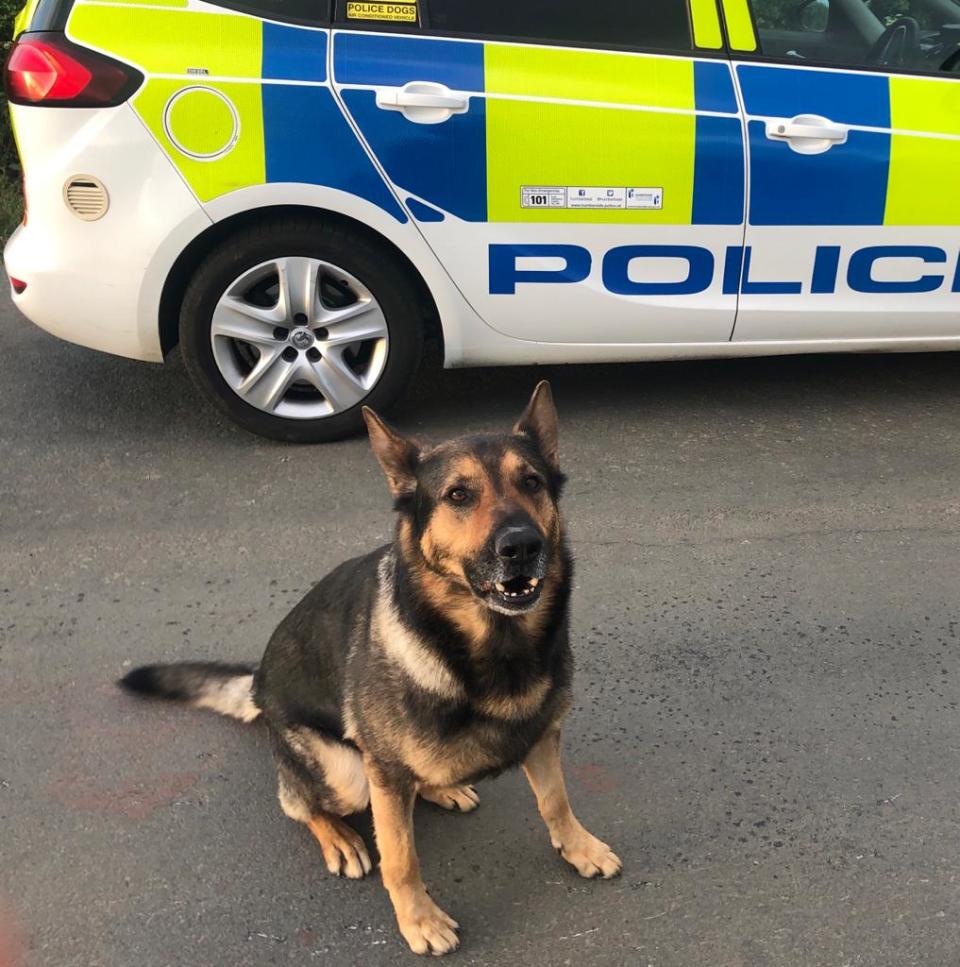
x,y
807,133
423,102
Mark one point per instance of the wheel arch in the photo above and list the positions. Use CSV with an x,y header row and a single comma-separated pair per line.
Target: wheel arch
x,y
186,264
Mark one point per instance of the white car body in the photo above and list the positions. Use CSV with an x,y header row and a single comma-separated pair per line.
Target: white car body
x,y
100,283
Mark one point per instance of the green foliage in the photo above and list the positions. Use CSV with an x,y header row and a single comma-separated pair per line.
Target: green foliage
x,y
10,205
776,14
785,14
8,12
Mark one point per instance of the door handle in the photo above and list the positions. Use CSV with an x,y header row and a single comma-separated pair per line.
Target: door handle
x,y
807,133
401,98
423,102
818,132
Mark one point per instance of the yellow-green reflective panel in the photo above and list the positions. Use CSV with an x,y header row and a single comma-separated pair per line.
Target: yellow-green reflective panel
x,y
739,25
706,24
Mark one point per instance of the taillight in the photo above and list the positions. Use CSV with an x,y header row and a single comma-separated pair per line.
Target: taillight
x,y
46,69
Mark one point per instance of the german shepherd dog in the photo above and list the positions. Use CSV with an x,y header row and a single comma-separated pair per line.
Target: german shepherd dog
x,y
424,666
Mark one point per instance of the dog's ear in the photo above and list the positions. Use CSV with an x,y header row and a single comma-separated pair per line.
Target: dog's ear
x,y
539,423
397,455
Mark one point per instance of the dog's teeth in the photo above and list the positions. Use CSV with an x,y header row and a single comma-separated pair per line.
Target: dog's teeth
x,y
499,586
534,582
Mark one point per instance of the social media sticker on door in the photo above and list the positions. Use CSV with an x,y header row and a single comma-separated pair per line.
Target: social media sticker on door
x,y
581,197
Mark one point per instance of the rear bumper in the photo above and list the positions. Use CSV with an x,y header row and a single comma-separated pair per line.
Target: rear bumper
x,y
98,283
76,303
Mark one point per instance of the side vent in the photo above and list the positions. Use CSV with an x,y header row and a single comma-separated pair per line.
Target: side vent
x,y
86,197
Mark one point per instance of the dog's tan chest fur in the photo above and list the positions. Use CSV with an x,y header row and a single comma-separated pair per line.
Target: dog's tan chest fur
x,y
446,763
454,758
437,760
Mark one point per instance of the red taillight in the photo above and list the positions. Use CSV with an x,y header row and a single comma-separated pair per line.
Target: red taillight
x,y
46,69
39,72
18,285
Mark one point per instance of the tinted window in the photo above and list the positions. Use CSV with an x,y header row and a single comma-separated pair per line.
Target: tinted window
x,y
289,11
892,35
656,24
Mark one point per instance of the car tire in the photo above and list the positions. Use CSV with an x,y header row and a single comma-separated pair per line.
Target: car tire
x,y
350,265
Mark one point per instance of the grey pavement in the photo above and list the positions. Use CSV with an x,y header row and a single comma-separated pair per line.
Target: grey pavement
x,y
766,724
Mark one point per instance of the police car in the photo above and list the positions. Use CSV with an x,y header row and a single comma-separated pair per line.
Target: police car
x,y
298,191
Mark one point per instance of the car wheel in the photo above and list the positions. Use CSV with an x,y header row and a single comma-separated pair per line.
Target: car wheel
x,y
290,327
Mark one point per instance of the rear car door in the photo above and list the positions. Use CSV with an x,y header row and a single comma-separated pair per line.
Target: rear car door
x,y
578,168
853,116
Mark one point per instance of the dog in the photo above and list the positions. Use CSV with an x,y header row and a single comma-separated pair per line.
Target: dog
x,y
418,669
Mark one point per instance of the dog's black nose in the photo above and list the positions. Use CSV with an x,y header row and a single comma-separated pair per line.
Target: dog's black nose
x,y
518,544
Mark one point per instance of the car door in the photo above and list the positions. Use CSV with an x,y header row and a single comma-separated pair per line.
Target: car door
x,y
853,118
577,168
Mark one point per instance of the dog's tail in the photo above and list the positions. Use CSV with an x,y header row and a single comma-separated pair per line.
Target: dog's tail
x,y
227,689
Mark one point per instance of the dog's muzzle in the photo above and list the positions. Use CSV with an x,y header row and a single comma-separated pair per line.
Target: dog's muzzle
x,y
513,579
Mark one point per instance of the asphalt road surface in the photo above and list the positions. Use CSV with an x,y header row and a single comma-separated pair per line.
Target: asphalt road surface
x,y
766,724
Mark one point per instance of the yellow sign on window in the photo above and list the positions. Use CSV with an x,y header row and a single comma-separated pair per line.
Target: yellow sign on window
x,y
396,12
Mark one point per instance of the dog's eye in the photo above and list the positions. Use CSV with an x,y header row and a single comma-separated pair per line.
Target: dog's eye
x,y
458,495
532,483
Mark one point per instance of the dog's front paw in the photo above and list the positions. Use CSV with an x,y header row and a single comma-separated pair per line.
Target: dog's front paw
x,y
462,798
589,856
427,929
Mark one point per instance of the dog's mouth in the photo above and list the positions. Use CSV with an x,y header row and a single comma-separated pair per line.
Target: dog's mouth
x,y
513,596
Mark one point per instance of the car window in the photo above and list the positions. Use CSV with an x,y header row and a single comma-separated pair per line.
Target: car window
x,y
285,11
894,35
647,24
